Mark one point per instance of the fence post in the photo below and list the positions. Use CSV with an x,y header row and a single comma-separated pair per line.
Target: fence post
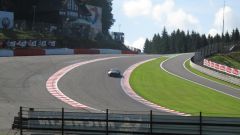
x,y
107,122
151,120
62,121
20,121
200,123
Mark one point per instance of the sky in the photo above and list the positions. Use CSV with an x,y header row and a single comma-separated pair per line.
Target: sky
x,y
141,19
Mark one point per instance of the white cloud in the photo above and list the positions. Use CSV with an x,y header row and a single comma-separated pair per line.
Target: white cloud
x,y
231,20
134,8
182,20
167,14
160,11
164,14
139,43
212,32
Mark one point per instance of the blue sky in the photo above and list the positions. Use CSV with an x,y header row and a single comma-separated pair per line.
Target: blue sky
x,y
141,19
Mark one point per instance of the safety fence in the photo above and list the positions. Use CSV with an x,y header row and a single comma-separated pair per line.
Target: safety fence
x,y
209,50
37,121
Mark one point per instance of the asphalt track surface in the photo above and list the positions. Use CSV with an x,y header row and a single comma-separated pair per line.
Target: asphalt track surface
x,y
175,66
23,83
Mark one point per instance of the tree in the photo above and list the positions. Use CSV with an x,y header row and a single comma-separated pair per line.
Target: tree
x,y
226,38
235,35
147,46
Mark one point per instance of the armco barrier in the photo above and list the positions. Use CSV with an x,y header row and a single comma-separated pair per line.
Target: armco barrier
x,y
110,51
86,51
29,52
6,53
61,51
128,52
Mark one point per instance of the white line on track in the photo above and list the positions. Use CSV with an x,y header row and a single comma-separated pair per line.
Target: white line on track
x,y
52,84
130,92
161,65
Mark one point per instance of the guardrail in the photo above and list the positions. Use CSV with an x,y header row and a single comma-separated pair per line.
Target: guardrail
x,y
72,122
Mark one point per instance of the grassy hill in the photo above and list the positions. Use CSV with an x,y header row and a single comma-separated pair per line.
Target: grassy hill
x,y
231,59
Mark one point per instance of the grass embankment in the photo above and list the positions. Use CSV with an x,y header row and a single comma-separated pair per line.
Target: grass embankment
x,y
231,60
154,84
187,65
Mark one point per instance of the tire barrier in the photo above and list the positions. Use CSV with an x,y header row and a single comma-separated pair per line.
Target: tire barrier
x,y
29,52
61,51
128,52
6,53
86,51
109,51
1,44
57,51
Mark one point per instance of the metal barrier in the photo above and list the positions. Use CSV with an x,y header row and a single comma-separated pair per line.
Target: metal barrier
x,y
72,122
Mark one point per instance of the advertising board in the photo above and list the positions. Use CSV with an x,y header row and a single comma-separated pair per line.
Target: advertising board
x,y
222,68
6,20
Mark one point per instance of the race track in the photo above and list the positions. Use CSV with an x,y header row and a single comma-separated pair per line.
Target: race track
x,y
23,83
175,66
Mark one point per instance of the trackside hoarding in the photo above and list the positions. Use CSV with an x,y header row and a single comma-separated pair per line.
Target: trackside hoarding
x,y
6,20
222,68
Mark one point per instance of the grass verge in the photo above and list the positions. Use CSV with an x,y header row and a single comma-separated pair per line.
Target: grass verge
x,y
187,65
154,84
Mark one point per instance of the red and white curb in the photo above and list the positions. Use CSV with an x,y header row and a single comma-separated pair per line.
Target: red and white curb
x,y
52,84
130,92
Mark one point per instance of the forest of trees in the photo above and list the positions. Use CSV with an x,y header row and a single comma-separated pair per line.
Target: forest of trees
x,y
180,42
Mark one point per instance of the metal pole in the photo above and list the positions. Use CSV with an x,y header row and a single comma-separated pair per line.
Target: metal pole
x,y
107,122
200,123
223,19
20,116
62,121
151,122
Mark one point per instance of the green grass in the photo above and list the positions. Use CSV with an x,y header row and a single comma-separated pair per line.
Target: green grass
x,y
187,65
231,60
154,84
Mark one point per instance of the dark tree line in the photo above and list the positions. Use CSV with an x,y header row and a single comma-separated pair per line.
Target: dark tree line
x,y
180,42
